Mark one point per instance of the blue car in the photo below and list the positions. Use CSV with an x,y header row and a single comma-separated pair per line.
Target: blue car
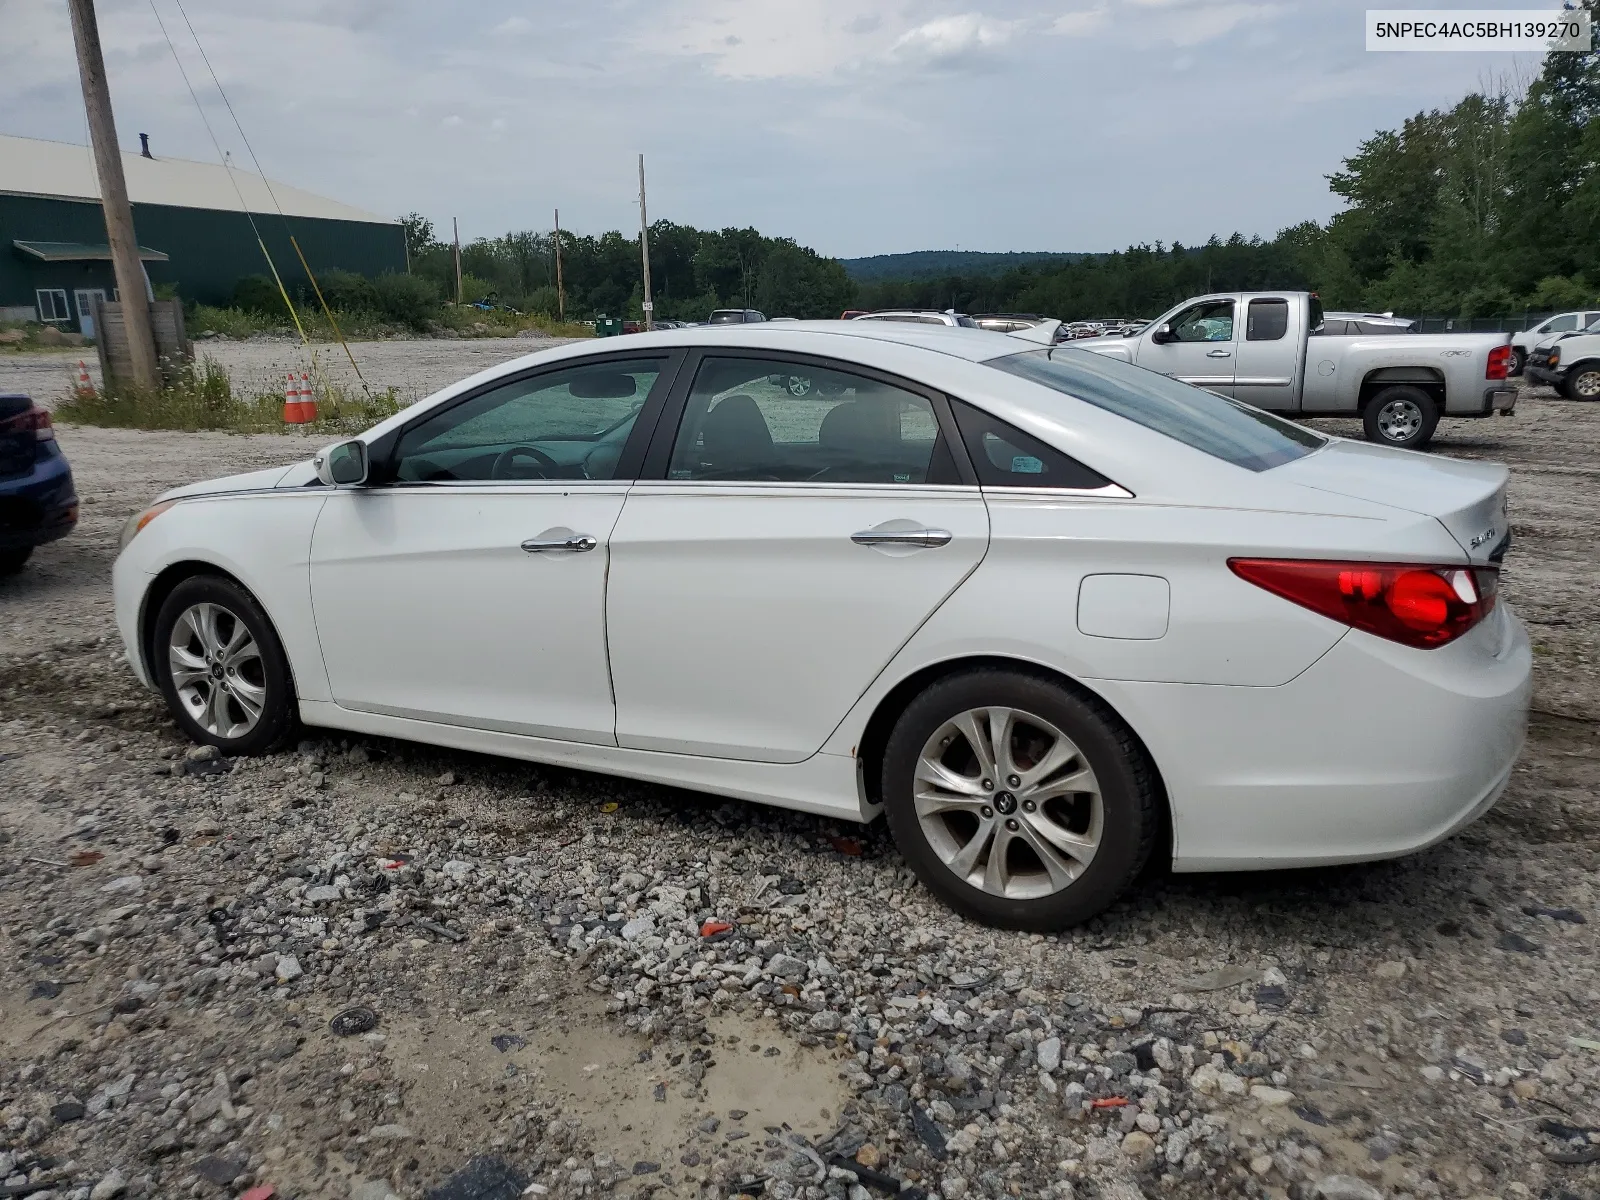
x,y
37,501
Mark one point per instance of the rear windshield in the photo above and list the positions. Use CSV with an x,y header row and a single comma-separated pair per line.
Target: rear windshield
x,y
1223,428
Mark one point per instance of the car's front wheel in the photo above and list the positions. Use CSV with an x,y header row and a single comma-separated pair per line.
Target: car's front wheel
x,y
1018,802
222,669
1583,383
1519,360
1402,416
12,561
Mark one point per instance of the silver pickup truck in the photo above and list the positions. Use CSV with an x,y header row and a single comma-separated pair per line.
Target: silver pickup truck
x,y
1269,349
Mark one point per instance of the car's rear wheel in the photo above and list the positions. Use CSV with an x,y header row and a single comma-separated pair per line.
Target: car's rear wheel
x,y
1402,416
1019,802
1583,383
12,561
222,669
1519,359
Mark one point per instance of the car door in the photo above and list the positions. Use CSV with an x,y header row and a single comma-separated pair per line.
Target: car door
x,y
1197,345
1267,360
779,551
467,585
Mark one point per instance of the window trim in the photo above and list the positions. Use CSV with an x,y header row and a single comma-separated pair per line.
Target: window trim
x,y
381,451
658,456
66,306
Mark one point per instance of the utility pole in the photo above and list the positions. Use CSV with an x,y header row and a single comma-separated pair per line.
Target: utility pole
x,y
644,249
561,295
455,230
114,198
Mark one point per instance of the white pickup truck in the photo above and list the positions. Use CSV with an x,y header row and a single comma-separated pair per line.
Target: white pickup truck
x,y
1268,349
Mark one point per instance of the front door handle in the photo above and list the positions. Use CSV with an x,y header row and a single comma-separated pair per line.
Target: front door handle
x,y
577,543
1219,353
902,537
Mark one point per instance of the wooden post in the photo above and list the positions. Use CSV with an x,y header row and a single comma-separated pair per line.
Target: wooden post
x,y
561,295
644,249
456,232
114,198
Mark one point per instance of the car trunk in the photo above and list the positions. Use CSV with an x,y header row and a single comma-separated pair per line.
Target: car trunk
x,y
18,440
1468,498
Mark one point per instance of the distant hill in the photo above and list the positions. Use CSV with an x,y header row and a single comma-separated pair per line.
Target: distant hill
x,y
926,264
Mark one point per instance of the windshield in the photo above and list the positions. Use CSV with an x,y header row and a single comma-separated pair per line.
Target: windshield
x,y
1216,425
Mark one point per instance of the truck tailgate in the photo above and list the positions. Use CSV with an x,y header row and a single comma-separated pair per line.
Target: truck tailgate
x,y
1468,498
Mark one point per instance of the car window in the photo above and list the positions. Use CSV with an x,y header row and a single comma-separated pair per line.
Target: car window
x,y
751,420
1223,428
564,424
1563,323
1332,327
1211,321
1004,456
1267,320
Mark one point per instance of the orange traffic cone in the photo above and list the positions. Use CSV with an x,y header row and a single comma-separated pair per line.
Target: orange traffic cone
x,y
294,407
308,402
85,386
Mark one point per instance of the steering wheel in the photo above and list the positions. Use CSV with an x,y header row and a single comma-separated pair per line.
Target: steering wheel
x,y
549,468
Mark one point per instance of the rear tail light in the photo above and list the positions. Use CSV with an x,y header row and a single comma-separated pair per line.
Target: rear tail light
x,y
1499,363
35,419
1416,605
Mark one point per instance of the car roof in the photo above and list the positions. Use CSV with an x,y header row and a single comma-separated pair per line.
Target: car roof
x,y
974,345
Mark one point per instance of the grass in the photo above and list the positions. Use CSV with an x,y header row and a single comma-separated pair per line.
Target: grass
x,y
462,321
203,398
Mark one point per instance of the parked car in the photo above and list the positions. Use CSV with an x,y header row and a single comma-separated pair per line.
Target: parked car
x,y
38,503
1342,324
1007,322
851,314
735,316
1052,613
1524,342
920,316
1257,347
1570,363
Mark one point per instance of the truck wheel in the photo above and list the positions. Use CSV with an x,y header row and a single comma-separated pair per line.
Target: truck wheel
x,y
1519,359
1402,416
1583,383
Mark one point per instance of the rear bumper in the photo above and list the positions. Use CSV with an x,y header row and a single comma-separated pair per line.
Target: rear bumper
x,y
38,507
1501,401
1377,750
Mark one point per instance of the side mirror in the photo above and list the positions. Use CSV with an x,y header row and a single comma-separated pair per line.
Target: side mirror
x,y
1162,334
343,463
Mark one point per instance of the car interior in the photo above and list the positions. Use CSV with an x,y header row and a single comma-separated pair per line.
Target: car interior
x,y
743,421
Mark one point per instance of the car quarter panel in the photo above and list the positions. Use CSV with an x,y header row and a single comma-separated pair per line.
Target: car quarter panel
x,y
262,539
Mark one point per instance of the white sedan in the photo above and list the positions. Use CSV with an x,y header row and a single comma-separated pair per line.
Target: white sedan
x,y
1049,612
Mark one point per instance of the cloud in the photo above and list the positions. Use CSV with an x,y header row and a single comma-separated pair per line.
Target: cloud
x,y
514,25
1081,23
950,41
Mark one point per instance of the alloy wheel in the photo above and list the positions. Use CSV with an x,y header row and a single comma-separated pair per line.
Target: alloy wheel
x,y
1587,385
1008,803
217,670
799,385
1400,420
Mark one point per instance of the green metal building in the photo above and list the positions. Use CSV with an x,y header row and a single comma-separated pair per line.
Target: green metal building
x,y
192,221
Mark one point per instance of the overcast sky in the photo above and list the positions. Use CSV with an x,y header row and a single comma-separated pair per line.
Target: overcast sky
x,y
855,126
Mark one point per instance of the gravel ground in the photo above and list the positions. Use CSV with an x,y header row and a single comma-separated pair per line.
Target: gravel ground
x,y
369,968
414,368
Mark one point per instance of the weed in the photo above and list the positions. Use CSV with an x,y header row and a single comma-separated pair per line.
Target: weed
x,y
202,397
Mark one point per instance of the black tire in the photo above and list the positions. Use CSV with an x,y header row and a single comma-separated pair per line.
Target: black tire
x,y
12,561
1582,382
1397,408
278,717
1129,791
1519,359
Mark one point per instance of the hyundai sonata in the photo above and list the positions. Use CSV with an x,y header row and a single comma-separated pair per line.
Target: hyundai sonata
x,y
1048,612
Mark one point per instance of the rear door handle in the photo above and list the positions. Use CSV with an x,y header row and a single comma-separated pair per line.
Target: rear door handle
x,y
902,537
1219,353
577,543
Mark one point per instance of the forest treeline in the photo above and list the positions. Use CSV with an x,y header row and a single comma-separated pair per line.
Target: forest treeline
x,y
1489,207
